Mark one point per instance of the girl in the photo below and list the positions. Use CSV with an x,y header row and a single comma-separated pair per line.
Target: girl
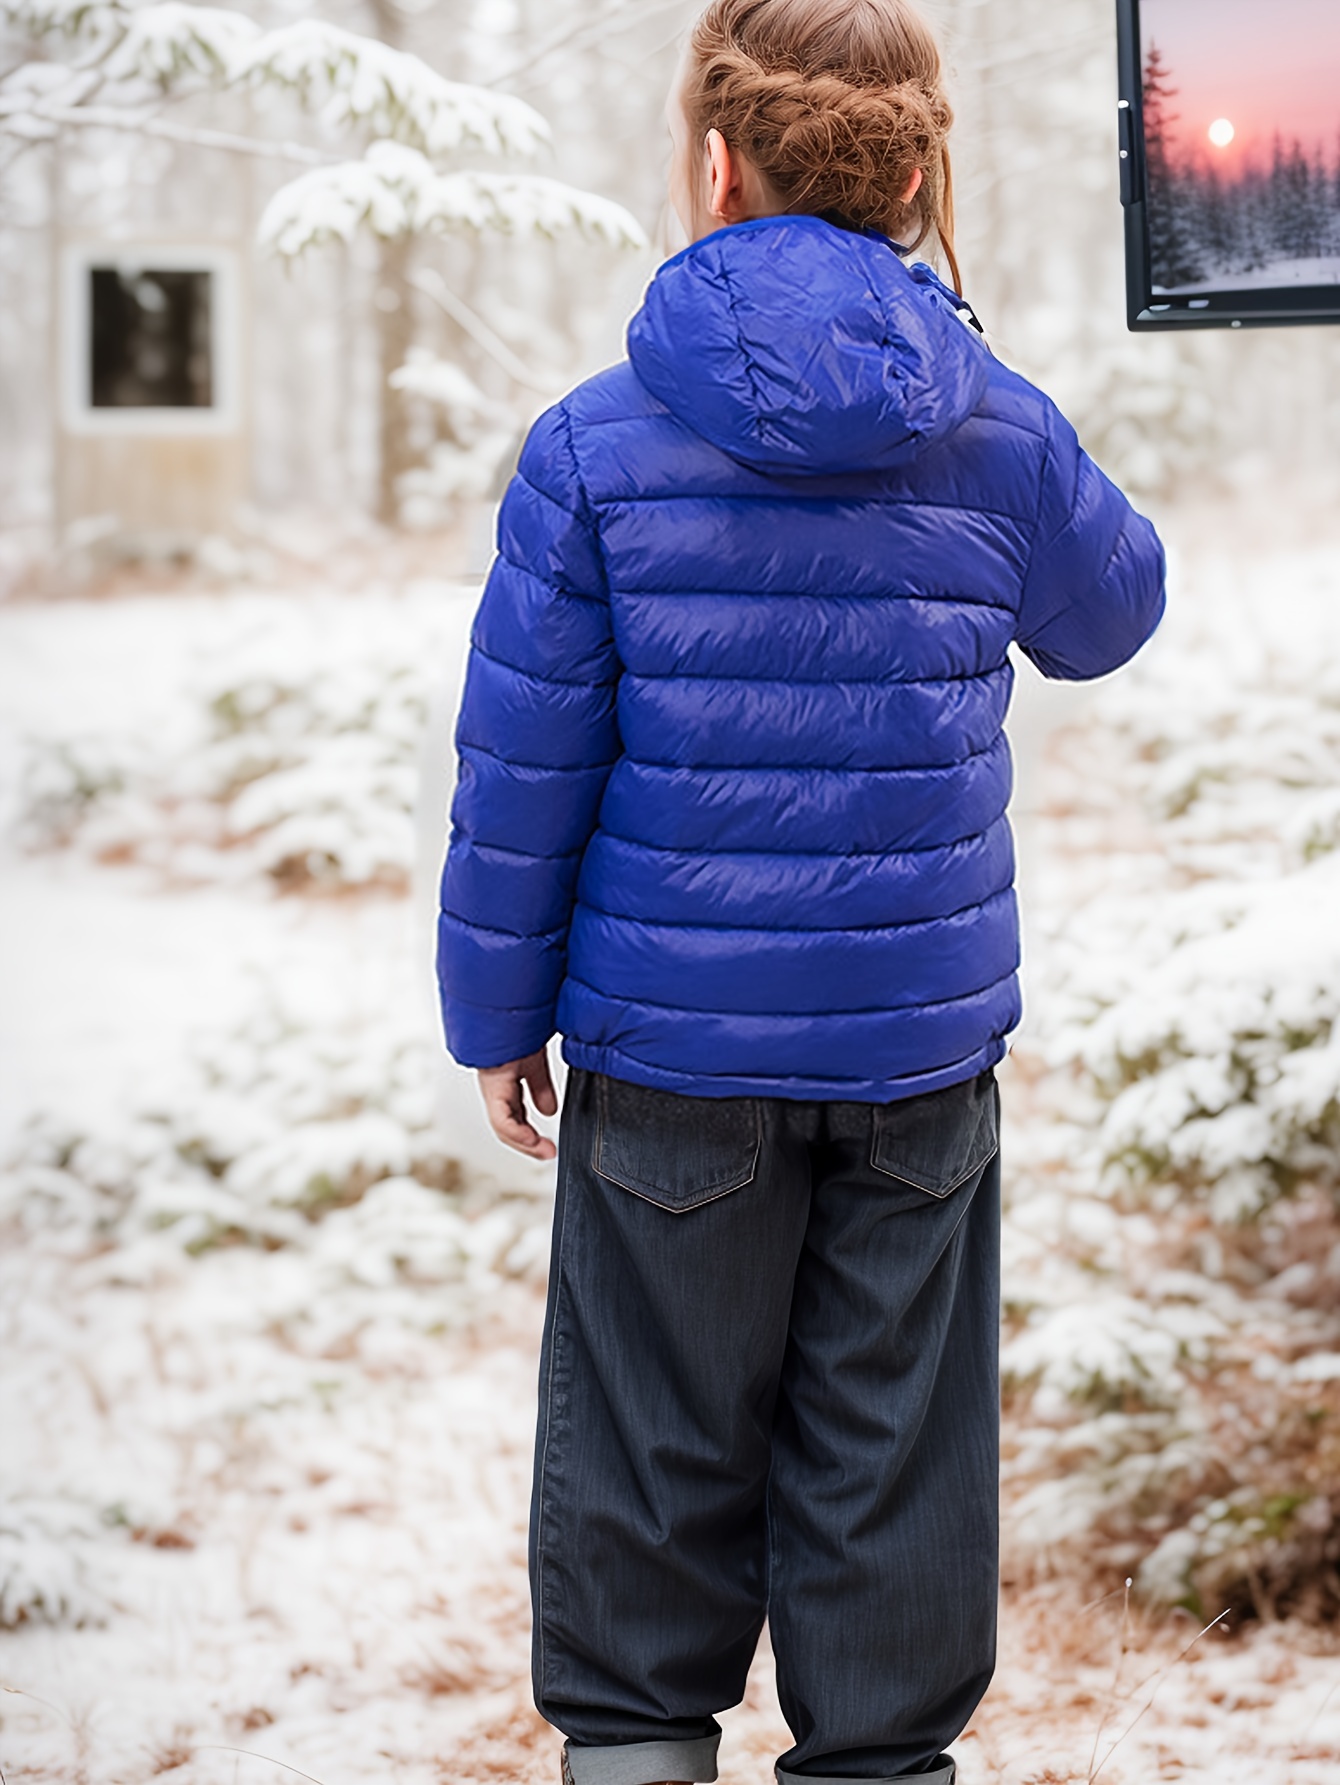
x,y
731,817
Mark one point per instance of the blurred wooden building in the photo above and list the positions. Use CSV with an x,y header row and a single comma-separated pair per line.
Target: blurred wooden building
x,y
152,428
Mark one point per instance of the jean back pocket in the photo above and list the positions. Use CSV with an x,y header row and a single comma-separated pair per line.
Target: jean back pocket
x,y
939,1140
677,1152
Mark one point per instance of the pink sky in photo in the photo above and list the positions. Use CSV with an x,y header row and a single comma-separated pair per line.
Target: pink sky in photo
x,y
1265,65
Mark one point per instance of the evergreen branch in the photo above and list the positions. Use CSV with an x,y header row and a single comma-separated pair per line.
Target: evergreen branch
x,y
394,191
106,117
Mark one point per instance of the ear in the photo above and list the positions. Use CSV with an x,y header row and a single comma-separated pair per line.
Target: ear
x,y
914,186
724,184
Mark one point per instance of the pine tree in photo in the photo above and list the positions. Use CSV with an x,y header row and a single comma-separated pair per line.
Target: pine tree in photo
x,y
1220,223
1174,259
1255,205
1293,177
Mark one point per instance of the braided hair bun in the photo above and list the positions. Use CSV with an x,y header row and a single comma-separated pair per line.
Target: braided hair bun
x,y
838,104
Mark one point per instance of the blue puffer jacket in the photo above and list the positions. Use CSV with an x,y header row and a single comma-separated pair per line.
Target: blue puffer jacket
x,y
731,809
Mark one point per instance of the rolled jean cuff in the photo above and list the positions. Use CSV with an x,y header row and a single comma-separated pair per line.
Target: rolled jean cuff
x,y
943,1775
642,1763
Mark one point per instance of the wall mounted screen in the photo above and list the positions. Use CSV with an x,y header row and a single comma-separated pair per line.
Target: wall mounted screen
x,y
1230,161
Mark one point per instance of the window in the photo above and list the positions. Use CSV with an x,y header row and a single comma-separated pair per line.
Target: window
x,y
151,338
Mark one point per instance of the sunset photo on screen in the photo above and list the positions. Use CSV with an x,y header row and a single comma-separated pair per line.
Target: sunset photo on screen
x,y
1242,143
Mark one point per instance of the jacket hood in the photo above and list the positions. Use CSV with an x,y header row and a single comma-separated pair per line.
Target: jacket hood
x,y
794,345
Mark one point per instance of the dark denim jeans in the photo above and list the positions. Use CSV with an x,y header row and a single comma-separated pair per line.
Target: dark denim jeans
x,y
768,1387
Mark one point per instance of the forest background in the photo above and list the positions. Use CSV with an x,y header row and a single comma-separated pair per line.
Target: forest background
x,y
268,1294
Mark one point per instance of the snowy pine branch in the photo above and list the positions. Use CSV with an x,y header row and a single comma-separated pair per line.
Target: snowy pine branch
x,y
396,191
341,77
349,79
417,117
44,18
175,44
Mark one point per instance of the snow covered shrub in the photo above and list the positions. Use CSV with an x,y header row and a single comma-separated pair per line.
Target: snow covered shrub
x,y
1174,1412
271,1127
1173,1408
291,1132
64,783
294,761
1199,1002
43,1576
1220,1063
316,777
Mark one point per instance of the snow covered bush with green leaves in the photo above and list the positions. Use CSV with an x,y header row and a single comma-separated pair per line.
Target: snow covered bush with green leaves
x,y
294,760
291,1132
1173,1248
1199,1000
1220,1065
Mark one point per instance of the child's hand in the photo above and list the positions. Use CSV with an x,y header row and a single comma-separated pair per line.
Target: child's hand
x,y
505,1101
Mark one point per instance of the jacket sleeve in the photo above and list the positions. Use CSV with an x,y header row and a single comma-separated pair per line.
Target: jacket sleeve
x,y
536,739
1094,591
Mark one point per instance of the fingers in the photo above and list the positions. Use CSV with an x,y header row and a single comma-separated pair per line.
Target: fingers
x,y
535,1072
505,1104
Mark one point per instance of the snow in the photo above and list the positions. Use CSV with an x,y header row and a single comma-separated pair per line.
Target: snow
x,y
348,79
396,191
290,753
439,381
270,1295
169,42
1206,1015
1184,960
1317,270
344,78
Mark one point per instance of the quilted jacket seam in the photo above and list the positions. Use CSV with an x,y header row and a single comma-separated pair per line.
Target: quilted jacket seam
x,y
815,768
568,594
997,607
530,855
783,1078
539,490
502,1009
656,410
755,929
487,929
1116,547
791,499
591,519
836,855
676,675
801,1016
534,675
547,768
750,365
791,768
917,433
1047,458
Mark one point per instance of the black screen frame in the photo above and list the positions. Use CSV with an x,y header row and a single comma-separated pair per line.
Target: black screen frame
x,y
1291,306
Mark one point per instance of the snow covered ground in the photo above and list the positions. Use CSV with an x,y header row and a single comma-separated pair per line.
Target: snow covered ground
x,y
1318,270
270,1297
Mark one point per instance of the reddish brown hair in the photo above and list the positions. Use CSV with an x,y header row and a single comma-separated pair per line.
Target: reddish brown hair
x,y
837,103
